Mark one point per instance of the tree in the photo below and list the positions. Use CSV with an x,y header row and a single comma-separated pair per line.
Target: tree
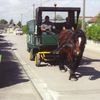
x,y
3,21
79,23
11,21
25,29
19,24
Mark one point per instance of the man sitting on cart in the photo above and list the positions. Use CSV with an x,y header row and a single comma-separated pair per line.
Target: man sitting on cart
x,y
68,24
47,26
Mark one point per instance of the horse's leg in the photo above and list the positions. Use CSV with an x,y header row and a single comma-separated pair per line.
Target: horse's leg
x,y
61,63
72,75
73,68
74,62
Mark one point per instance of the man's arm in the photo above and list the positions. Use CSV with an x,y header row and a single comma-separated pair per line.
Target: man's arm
x,y
43,27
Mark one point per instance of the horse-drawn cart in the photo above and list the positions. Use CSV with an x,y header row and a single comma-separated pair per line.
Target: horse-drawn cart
x,y
48,47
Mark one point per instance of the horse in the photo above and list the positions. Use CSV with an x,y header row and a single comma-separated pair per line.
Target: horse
x,y
71,48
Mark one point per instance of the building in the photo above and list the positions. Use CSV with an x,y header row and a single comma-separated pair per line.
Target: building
x,y
3,28
93,20
12,29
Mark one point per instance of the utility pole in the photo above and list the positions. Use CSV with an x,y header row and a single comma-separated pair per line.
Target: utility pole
x,y
33,11
21,19
41,3
55,5
83,19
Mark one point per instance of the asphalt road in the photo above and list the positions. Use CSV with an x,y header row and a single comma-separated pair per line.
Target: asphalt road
x,y
54,85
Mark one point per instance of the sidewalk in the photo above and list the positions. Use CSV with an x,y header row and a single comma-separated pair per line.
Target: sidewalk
x,y
93,46
14,83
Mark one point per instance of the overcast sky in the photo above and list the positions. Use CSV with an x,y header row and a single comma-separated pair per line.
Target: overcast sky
x,y
13,9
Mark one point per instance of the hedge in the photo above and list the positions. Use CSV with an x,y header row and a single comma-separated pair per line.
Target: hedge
x,y
93,32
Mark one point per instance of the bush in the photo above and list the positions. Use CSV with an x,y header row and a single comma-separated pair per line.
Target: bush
x,y
25,29
93,32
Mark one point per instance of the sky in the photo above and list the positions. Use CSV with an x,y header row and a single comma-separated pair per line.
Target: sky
x,y
23,9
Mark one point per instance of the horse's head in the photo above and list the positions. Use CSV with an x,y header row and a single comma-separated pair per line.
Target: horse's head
x,y
79,41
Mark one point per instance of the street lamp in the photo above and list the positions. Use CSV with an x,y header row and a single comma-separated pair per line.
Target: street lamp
x,y
55,5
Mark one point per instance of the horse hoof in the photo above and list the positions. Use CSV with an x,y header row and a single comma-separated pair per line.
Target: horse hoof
x,y
74,79
63,71
78,75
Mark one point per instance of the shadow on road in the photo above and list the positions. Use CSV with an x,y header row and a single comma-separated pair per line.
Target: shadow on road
x,y
84,70
87,61
10,69
89,71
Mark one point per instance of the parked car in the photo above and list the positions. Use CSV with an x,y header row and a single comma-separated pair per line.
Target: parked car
x,y
19,32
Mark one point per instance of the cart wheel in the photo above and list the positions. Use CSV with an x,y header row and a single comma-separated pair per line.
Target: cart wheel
x,y
37,60
31,57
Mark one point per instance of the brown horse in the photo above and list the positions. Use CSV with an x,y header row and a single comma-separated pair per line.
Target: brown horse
x,y
71,47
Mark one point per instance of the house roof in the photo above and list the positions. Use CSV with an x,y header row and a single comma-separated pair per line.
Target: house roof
x,y
93,20
2,26
13,25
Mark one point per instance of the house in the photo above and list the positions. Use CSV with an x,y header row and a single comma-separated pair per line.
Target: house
x,y
92,21
12,28
3,28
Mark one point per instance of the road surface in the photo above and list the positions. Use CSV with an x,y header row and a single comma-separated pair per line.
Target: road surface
x,y
54,85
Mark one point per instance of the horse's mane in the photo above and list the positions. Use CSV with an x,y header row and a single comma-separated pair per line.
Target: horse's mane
x,y
65,36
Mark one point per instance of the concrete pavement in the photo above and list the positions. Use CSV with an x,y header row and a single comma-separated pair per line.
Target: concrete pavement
x,y
93,46
14,83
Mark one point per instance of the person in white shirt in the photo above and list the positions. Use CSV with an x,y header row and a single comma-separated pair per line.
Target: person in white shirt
x,y
47,26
